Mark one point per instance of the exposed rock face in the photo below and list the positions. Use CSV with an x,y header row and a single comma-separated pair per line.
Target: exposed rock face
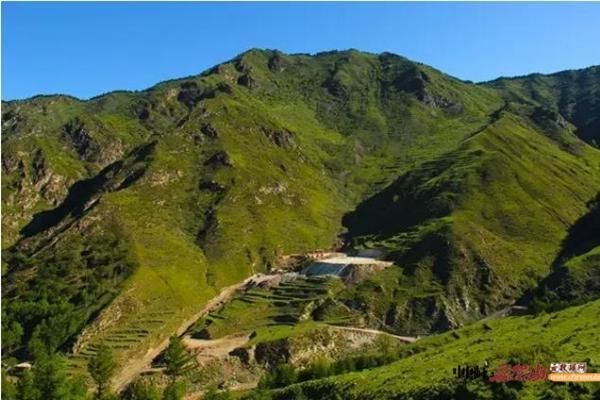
x,y
221,158
247,80
209,131
349,269
277,63
212,186
84,194
304,349
282,138
417,82
451,107
11,120
227,72
549,119
242,353
191,94
48,184
556,126
77,135
272,353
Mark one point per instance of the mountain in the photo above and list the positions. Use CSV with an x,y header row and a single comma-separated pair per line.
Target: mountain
x,y
126,213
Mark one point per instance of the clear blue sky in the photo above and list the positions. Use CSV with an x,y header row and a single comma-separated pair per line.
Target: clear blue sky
x,y
85,49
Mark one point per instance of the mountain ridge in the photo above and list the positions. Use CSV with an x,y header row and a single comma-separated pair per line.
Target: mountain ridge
x,y
206,70
196,183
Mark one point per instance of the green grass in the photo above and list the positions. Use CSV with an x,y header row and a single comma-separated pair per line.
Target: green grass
x,y
426,369
480,220
488,194
270,313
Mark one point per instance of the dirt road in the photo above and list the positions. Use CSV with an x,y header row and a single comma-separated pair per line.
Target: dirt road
x,y
217,348
406,339
136,366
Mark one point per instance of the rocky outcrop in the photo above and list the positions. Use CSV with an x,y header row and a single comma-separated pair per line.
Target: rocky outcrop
x,y
211,186
281,138
191,94
209,131
11,121
418,83
226,71
277,63
84,194
219,159
78,136
247,80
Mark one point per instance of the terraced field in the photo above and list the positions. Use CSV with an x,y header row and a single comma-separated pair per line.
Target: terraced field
x,y
269,313
121,336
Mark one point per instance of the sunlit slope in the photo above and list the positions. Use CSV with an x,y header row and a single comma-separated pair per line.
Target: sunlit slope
x,y
477,226
160,198
573,94
425,372
575,275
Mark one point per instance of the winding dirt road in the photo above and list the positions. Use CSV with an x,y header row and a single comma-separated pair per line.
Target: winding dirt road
x,y
406,339
136,366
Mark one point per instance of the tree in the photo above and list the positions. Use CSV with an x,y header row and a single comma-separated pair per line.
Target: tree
x,y
285,375
174,391
177,359
50,379
140,390
102,367
9,392
320,368
296,393
26,389
386,346
214,394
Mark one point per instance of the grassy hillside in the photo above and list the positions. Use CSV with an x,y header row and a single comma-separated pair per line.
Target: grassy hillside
x,y
475,226
425,370
132,209
575,276
573,94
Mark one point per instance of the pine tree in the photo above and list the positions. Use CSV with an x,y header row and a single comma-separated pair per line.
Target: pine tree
x,y
140,390
174,391
26,389
50,379
102,367
178,360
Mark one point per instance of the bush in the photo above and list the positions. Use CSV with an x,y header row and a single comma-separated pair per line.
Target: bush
x,y
140,390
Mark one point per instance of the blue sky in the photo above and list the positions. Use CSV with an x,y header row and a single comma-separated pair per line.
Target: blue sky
x,y
85,49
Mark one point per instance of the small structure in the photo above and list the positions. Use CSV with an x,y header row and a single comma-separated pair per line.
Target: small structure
x,y
24,366
20,369
349,269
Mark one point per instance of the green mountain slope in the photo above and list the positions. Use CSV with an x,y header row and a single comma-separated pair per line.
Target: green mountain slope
x,y
425,371
573,94
464,223
133,209
575,276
